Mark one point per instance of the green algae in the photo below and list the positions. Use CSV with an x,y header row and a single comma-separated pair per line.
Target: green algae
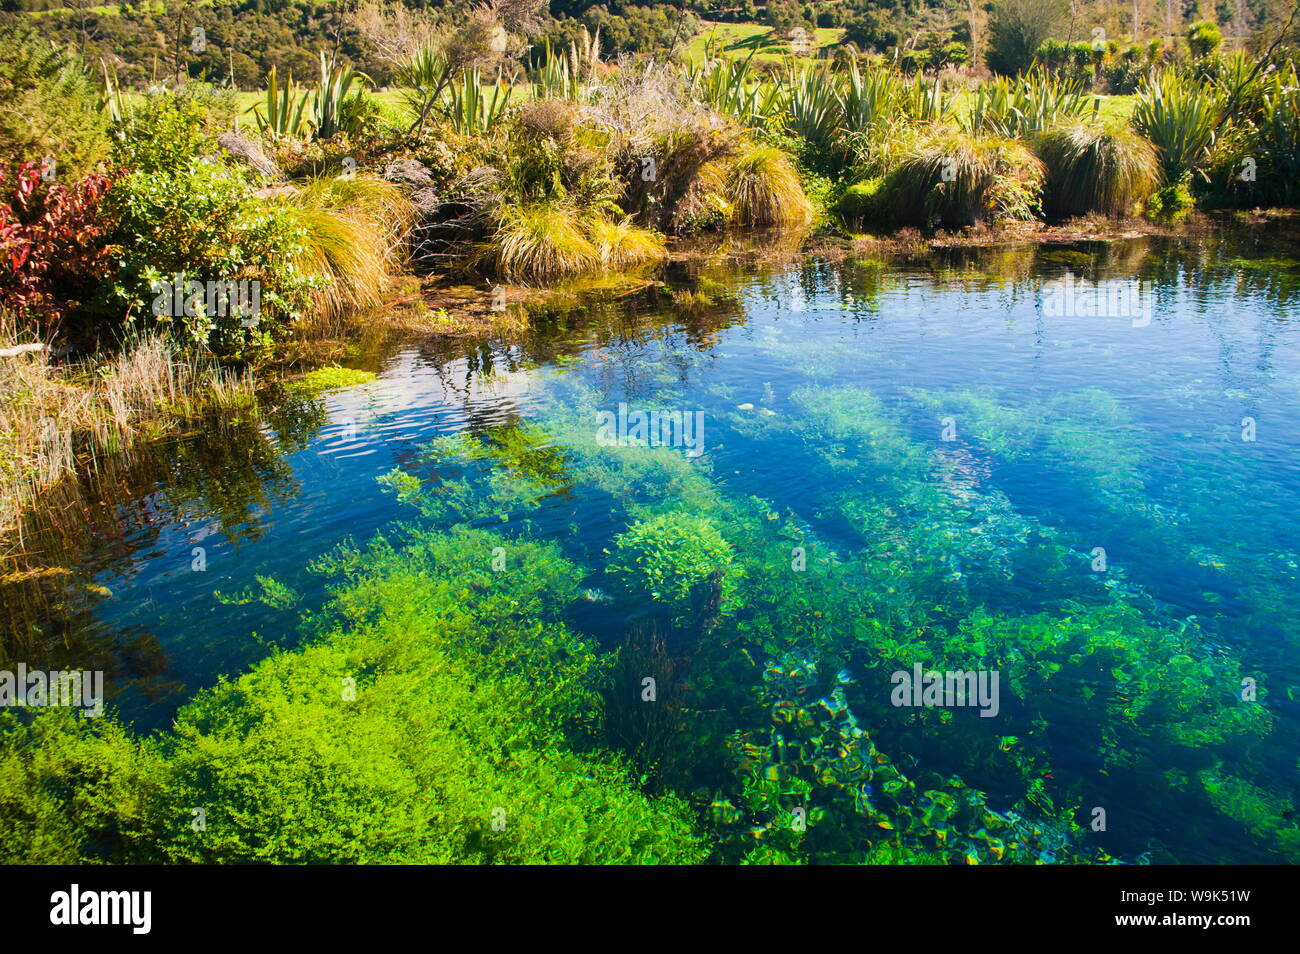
x,y
327,379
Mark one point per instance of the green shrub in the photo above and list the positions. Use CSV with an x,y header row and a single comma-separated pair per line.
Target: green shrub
x,y
857,204
1203,39
185,213
1075,61
1171,203
1016,30
1180,118
1260,164
1125,71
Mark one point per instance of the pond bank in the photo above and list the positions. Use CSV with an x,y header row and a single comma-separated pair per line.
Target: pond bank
x,y
447,307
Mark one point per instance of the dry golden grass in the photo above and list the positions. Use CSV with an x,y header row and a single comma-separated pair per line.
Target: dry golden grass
x,y
764,189
57,419
355,231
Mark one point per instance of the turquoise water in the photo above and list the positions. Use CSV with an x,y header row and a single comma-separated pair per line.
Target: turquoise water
x,y
912,462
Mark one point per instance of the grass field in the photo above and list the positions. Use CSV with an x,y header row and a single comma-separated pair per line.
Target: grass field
x,y
1109,108
741,39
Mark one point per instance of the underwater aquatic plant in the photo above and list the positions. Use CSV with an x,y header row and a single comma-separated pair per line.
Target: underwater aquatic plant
x,y
1267,816
451,673
75,790
650,735
671,558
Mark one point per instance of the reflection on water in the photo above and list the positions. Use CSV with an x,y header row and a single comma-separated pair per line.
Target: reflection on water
x,y
927,423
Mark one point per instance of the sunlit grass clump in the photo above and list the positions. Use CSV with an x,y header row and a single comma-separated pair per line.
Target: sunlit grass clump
x,y
953,179
764,189
623,245
353,229
1108,170
545,241
540,242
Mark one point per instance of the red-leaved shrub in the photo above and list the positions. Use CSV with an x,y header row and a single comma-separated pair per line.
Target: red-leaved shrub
x,y
53,246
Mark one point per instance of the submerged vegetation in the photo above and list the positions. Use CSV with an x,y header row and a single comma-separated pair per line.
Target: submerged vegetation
x,y
772,738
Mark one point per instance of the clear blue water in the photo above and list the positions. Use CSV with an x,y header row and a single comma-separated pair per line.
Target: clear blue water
x,y
932,417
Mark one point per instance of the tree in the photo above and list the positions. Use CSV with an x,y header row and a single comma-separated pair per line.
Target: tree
x,y
1203,39
1017,28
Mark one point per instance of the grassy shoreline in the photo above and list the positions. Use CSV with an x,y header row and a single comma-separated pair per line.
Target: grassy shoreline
x,y
64,419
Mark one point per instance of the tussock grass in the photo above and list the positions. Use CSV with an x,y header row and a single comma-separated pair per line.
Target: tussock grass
x,y
546,241
1107,170
624,245
365,197
954,179
350,257
354,231
764,189
538,243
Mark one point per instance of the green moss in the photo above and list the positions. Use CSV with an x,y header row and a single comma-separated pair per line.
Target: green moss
x,y
327,379
858,203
